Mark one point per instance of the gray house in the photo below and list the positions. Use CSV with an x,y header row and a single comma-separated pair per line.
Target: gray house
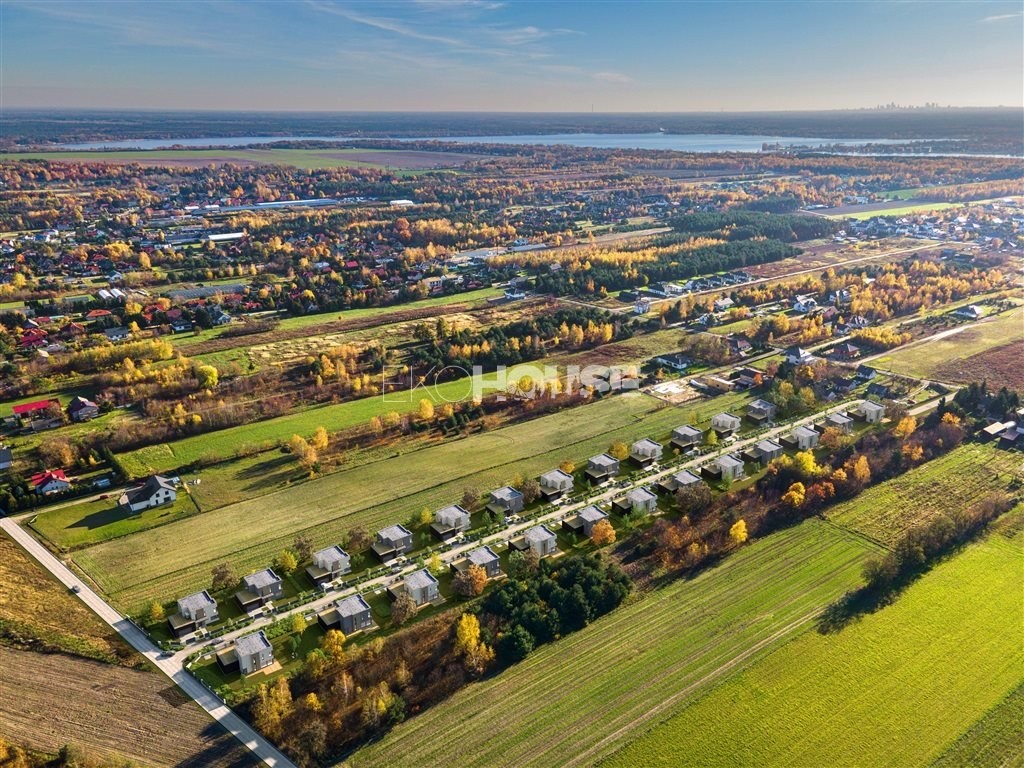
x,y
259,589
391,542
6,458
420,585
766,451
686,437
583,522
726,468
870,411
601,468
506,501
725,424
329,564
449,521
157,490
254,652
802,438
540,540
555,484
645,452
195,611
482,557
840,421
639,501
683,479
350,614
761,411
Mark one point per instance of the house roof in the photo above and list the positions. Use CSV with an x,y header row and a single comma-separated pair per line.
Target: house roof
x,y
393,532
352,605
728,418
5,455
768,446
508,493
148,488
264,578
44,477
251,644
639,496
603,460
452,511
554,477
838,418
420,579
78,403
728,460
870,405
762,404
538,533
592,513
331,554
646,444
482,556
688,430
686,477
36,405
804,432
197,600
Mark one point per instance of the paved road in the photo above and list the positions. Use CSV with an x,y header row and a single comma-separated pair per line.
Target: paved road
x,y
171,667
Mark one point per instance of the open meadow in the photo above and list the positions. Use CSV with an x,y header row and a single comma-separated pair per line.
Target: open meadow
x,y
917,674
993,741
575,701
884,512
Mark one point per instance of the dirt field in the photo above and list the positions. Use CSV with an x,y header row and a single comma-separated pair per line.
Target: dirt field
x,y
1001,367
51,700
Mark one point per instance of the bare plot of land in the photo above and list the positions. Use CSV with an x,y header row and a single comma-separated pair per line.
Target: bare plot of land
x,y
1000,367
51,700
407,159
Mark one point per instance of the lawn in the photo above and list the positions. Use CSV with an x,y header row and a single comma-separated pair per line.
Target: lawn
x,y
176,559
574,701
893,689
884,512
992,742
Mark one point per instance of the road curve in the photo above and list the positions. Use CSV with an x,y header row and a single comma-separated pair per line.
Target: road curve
x,y
171,667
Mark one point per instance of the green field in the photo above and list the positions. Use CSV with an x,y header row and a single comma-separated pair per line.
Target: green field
x,y
575,701
891,690
992,742
884,512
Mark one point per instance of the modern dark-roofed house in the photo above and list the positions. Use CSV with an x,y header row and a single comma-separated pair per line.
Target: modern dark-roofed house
x,y
602,467
540,540
583,522
482,557
685,437
870,412
725,424
420,585
725,468
766,451
195,611
258,589
253,653
683,479
761,411
391,542
449,521
329,564
506,501
840,421
645,452
639,501
555,484
157,490
349,614
802,438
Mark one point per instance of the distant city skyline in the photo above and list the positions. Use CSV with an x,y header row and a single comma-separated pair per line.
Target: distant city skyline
x,y
479,55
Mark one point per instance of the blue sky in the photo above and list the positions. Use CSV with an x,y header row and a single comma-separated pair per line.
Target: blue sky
x,y
509,55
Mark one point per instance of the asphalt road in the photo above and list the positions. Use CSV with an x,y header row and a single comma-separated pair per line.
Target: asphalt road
x,y
170,666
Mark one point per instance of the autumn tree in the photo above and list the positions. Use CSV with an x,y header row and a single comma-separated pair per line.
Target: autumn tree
x,y
403,609
470,499
320,439
477,655
738,532
530,489
425,410
470,582
358,539
286,561
905,428
602,533
272,707
693,499
567,466
223,577
794,497
156,612
303,548
619,450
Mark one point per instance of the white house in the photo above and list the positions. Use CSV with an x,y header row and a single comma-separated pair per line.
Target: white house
x,y
155,491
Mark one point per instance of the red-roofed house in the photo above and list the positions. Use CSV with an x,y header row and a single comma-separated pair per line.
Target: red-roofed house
x,y
97,313
35,408
50,481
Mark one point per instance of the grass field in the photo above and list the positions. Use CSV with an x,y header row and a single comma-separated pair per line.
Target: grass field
x,y
929,359
879,209
108,711
576,700
891,690
992,742
175,559
884,512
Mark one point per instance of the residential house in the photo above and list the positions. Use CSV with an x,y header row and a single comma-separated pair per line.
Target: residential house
x,y
761,411
970,312
845,351
6,457
27,412
80,409
583,522
866,372
157,490
726,468
639,501
995,429
420,585
802,438
765,451
329,564
723,304
798,356
686,437
540,540
739,345
195,612
804,304
49,482
675,361
555,484
602,468
645,452
350,614
482,557
840,421
879,390
673,483
258,589
391,542
725,424
506,501
118,333
450,521
871,412
253,653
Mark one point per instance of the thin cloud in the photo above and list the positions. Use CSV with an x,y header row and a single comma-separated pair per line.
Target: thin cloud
x,y
1001,17
612,77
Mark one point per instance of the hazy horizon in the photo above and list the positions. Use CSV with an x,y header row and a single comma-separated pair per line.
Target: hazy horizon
x,y
509,57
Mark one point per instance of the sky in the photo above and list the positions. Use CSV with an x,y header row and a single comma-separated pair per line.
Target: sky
x,y
509,55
